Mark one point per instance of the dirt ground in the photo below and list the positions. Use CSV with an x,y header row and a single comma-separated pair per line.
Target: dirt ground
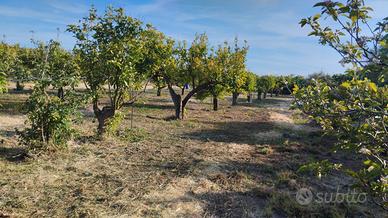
x,y
240,161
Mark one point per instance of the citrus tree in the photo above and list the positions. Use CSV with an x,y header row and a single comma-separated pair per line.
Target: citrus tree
x,y
250,85
219,66
110,50
237,73
262,87
23,66
356,112
158,56
6,61
190,67
49,117
271,84
61,67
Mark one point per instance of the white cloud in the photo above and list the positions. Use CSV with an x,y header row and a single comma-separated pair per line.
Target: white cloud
x,y
33,14
66,6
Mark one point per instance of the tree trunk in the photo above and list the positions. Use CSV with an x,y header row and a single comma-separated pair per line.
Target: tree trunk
x,y
271,93
177,99
19,86
61,93
103,117
258,95
180,102
234,98
249,97
183,91
191,94
159,92
265,95
215,103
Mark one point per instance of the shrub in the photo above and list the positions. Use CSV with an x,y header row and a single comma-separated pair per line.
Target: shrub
x,y
49,120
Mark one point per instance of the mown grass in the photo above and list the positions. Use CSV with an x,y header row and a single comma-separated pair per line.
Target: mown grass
x,y
241,161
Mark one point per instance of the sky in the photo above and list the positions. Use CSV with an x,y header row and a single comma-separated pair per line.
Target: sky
x,y
278,45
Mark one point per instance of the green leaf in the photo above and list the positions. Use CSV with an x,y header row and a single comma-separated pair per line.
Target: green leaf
x,y
372,86
346,85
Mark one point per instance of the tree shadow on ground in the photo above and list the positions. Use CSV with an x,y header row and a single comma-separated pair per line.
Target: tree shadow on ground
x,y
232,204
8,133
153,106
12,106
252,133
20,92
13,154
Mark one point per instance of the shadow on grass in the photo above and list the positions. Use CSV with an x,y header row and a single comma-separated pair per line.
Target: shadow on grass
x,y
19,92
251,133
7,133
153,106
232,204
12,106
13,154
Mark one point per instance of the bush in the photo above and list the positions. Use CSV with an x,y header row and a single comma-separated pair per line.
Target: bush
x,y
49,120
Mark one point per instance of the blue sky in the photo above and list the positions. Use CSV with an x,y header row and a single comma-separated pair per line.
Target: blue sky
x,y
277,44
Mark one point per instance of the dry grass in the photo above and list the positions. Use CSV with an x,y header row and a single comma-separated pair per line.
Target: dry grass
x,y
238,162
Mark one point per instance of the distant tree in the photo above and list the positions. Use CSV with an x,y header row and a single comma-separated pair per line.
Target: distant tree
x,y
237,73
158,56
250,85
110,51
60,66
6,62
291,81
271,80
189,67
23,65
280,83
319,76
49,118
219,67
262,86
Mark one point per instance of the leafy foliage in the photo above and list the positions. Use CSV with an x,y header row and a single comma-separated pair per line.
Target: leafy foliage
x,y
237,74
49,120
110,51
356,112
7,56
50,117
3,82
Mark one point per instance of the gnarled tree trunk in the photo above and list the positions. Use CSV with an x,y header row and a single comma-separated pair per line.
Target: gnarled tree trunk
x,y
180,102
249,97
159,91
234,98
259,95
19,86
177,99
61,93
103,115
215,103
